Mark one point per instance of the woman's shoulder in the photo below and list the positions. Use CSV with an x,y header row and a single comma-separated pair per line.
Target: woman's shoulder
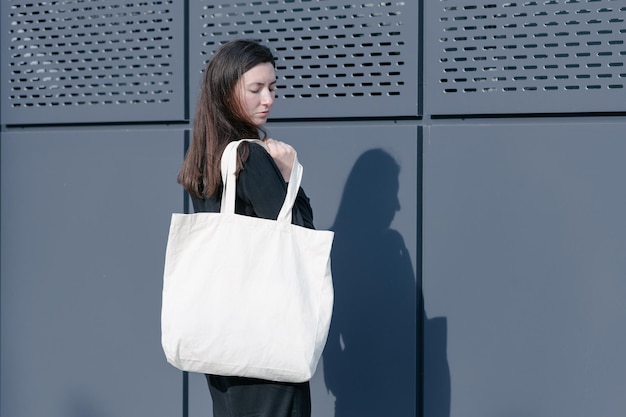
x,y
257,148
260,166
258,154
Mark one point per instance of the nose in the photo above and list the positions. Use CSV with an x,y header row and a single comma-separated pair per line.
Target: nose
x,y
267,98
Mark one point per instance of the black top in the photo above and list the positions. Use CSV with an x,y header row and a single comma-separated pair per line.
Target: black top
x,y
261,191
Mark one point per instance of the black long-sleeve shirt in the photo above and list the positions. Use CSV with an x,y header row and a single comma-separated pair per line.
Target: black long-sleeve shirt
x,y
261,191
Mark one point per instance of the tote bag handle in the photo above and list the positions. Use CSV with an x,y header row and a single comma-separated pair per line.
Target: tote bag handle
x,y
229,179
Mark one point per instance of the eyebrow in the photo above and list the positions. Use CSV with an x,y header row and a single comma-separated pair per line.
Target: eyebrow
x,y
255,83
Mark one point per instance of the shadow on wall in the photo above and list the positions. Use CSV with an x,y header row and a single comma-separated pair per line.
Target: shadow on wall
x,y
370,359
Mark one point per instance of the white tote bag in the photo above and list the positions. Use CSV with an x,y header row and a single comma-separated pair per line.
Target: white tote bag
x,y
245,296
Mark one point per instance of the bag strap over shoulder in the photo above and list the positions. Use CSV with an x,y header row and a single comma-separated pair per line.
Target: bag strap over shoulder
x,y
229,180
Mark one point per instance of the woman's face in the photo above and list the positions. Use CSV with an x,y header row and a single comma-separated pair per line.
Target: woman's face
x,y
258,91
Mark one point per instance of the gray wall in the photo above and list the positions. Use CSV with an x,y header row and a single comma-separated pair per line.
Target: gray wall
x,y
82,232
524,255
485,278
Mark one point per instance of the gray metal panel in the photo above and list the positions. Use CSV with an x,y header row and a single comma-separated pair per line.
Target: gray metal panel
x,y
96,61
524,57
375,375
85,216
524,245
337,58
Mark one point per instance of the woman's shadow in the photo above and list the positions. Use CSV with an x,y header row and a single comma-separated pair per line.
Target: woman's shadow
x,y
371,362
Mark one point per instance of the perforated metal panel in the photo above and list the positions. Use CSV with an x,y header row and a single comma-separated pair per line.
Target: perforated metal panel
x,y
92,61
337,58
525,57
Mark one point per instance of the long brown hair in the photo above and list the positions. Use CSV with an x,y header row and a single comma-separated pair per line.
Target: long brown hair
x,y
219,117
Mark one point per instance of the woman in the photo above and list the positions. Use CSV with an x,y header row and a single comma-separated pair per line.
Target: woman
x,y
237,93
